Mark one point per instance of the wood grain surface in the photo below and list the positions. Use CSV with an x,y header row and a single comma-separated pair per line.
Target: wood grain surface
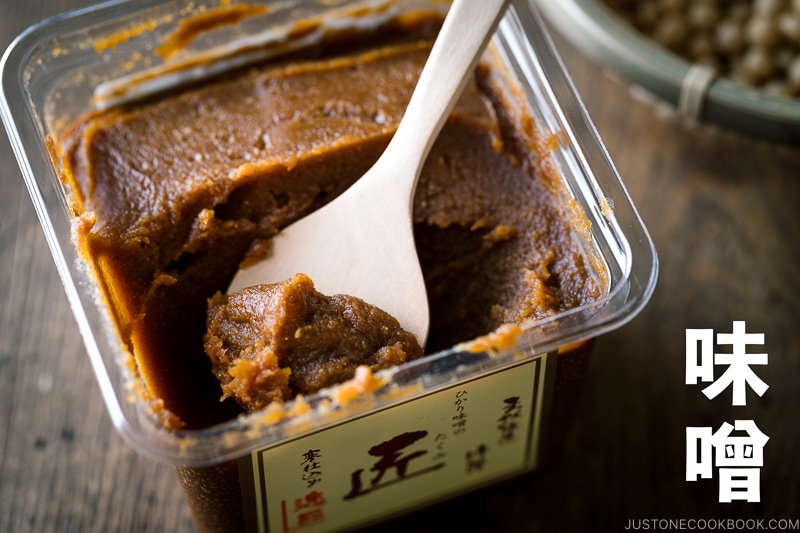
x,y
723,212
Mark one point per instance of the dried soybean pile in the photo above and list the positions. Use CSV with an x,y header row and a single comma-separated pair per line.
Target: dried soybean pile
x,y
752,42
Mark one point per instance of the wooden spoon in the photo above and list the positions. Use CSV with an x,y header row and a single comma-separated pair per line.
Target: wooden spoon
x,y
362,243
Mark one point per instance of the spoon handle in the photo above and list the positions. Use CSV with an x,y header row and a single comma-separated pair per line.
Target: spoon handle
x,y
466,30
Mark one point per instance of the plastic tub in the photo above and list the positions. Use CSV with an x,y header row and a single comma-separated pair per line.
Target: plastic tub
x,y
257,469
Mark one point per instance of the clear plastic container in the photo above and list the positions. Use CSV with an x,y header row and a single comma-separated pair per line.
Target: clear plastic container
x,y
69,64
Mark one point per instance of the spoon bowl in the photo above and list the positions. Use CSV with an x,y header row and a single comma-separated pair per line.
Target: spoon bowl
x,y
362,242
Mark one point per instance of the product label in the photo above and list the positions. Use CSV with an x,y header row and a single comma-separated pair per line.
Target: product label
x,y
402,457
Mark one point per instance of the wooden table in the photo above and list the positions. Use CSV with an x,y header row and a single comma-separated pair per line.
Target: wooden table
x,y
723,212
